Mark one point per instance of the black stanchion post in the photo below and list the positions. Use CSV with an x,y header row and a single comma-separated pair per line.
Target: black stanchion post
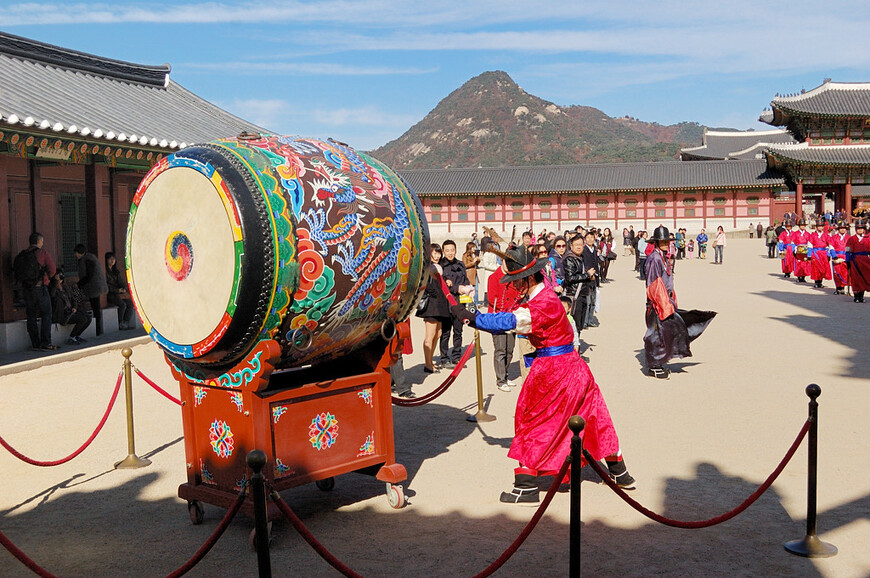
x,y
257,461
810,546
576,425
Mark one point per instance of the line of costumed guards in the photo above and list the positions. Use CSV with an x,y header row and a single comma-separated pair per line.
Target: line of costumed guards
x,y
827,254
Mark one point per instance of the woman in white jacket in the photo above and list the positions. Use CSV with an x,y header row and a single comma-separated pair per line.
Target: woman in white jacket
x,y
489,262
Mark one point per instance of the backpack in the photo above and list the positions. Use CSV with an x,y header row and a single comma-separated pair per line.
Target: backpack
x,y
27,269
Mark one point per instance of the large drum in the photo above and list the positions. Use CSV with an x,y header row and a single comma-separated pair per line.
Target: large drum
x,y
306,242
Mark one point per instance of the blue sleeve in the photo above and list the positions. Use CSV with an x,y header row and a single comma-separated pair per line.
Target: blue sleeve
x,y
496,322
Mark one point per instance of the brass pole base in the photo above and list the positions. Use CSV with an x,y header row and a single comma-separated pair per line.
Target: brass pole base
x,y
481,417
132,461
811,547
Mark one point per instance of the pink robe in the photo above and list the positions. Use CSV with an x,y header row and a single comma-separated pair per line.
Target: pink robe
x,y
841,270
801,267
555,389
787,251
859,270
820,268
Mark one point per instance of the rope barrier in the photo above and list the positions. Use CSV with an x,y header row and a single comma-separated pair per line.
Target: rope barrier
x,y
24,558
215,536
159,390
330,558
33,462
441,388
700,523
306,534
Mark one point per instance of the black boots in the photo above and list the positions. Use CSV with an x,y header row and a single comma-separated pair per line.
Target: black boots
x,y
859,297
619,474
525,490
658,372
819,283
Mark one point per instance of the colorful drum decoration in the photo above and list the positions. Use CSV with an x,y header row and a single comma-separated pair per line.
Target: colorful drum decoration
x,y
303,241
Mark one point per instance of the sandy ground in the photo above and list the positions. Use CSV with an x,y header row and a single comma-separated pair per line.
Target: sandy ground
x,y
698,444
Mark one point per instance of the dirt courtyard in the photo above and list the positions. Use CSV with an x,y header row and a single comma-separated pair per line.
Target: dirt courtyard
x,y
698,444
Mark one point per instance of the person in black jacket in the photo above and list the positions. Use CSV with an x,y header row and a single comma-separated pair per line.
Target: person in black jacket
x,y
577,282
434,311
70,307
454,276
591,264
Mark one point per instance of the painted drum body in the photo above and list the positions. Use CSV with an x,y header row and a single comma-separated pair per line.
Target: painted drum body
x,y
306,242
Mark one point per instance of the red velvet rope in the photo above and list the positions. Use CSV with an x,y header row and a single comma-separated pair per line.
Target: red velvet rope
x,y
306,534
441,388
33,462
159,390
511,550
24,558
700,523
215,536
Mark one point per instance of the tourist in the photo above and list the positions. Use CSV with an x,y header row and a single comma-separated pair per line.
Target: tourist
x,y
471,261
770,237
434,309
92,282
118,296
641,254
34,268
626,242
668,330
577,283
504,298
557,253
489,263
70,306
559,385
759,230
751,230
550,279
702,244
453,272
718,245
591,264
858,258
606,253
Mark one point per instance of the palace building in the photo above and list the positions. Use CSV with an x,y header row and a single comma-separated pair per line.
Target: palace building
x,y
77,134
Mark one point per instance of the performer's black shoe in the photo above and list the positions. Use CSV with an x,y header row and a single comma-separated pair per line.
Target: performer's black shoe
x,y
786,275
802,280
838,291
619,474
658,372
819,284
525,490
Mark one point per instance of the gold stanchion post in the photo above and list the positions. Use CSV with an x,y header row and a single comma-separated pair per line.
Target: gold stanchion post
x,y
481,415
132,460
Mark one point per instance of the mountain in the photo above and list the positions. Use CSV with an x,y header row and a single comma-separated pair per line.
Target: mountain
x,y
491,122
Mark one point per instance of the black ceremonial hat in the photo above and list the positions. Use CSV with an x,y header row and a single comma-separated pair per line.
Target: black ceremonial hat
x,y
520,263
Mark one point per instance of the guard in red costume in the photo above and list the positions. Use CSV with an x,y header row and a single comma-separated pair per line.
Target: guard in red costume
x,y
858,258
801,240
786,250
558,386
837,241
668,330
820,268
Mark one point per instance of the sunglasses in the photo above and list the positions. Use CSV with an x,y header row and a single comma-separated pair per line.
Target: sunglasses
x,y
560,245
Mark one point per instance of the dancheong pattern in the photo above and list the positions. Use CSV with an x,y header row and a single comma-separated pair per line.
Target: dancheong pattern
x,y
221,438
368,448
366,395
323,431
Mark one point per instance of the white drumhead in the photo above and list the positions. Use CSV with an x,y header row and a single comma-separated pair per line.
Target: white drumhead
x,y
182,255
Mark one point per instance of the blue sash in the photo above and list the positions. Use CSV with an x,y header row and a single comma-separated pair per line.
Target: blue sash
x,y
547,352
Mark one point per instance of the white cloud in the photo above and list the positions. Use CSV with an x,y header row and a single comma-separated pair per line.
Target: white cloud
x,y
305,68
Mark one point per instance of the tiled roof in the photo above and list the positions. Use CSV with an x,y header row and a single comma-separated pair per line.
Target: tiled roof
x,y
823,155
51,88
829,99
744,145
600,177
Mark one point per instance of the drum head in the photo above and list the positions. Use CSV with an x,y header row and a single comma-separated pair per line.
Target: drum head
x,y
183,244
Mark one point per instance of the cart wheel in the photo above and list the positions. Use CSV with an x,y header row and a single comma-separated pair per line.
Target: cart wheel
x,y
395,495
196,511
326,484
252,538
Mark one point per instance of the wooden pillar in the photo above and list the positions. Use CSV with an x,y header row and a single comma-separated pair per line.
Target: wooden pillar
x,y
799,200
645,199
532,218
503,213
6,244
734,209
674,209
559,214
704,209
847,198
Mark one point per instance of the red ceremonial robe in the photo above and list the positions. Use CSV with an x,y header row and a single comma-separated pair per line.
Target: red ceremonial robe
x,y
858,255
787,251
819,266
841,271
801,267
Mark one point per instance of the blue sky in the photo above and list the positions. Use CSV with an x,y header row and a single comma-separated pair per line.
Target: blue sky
x,y
365,71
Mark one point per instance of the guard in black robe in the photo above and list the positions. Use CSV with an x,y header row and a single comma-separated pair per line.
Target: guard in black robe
x,y
669,330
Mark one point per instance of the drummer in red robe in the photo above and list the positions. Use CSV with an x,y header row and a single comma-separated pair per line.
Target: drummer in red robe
x,y
559,384
801,240
858,258
820,268
786,250
837,242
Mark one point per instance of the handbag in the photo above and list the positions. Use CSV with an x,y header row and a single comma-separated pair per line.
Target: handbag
x,y
423,303
611,256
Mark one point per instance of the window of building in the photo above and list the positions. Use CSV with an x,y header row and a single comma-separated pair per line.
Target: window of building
x,y
573,214
489,209
73,224
602,214
719,200
718,212
660,212
752,200
574,204
601,203
660,202
436,217
690,201
630,202
752,210
631,213
517,209
690,212
462,211
545,209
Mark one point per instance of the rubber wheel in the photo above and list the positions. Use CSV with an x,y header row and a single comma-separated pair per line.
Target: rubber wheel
x,y
196,512
395,495
252,538
326,484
